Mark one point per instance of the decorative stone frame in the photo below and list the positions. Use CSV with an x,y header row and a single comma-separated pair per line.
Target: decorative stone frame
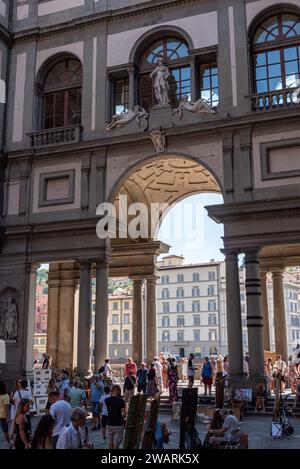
x,y
264,158
44,178
39,85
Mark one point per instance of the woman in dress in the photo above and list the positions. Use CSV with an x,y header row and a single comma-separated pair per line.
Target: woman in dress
x,y
152,388
184,369
12,405
172,382
225,370
42,438
165,365
270,374
21,427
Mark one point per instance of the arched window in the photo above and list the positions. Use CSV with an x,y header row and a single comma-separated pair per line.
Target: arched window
x,y
62,94
276,53
175,55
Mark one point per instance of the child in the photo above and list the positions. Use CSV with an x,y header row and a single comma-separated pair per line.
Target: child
x,y
260,398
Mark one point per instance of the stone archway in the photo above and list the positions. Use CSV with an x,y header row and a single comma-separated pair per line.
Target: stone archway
x,y
163,180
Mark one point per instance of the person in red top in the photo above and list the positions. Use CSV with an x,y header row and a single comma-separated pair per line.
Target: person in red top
x,y
130,365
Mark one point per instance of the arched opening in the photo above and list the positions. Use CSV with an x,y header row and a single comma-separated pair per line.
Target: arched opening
x,y
165,182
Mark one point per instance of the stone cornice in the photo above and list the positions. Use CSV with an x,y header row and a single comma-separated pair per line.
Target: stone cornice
x,y
5,35
286,206
209,127
103,17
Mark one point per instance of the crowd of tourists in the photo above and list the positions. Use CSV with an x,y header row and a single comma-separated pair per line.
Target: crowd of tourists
x,y
70,396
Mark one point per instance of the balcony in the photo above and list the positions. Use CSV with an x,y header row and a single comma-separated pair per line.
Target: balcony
x,y
279,99
51,137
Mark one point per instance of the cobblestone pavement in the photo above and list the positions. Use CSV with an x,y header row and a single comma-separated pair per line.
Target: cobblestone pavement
x,y
258,429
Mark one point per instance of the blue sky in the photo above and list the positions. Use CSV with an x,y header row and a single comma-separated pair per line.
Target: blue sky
x,y
190,232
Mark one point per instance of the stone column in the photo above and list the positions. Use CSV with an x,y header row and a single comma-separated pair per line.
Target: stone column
x,y
31,318
84,319
65,342
151,326
194,78
137,332
279,314
234,319
254,318
101,314
265,308
132,88
53,309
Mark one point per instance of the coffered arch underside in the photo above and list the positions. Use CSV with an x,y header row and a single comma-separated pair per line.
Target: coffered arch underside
x,y
167,180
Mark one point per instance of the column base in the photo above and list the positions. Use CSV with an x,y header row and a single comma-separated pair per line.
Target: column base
x,y
83,374
237,382
254,380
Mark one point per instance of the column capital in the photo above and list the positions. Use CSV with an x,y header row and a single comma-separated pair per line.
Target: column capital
x,y
277,271
131,68
230,253
103,263
137,280
263,272
152,278
85,264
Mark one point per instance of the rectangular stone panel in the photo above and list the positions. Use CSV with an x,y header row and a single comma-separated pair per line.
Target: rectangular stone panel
x,y
56,188
53,6
284,159
280,159
13,199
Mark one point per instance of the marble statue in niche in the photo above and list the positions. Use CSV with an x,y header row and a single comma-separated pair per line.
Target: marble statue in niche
x,y
9,320
160,76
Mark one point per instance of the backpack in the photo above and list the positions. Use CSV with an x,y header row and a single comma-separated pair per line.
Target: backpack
x,y
101,369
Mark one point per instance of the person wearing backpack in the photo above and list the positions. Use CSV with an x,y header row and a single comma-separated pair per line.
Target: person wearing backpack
x,y
206,374
24,393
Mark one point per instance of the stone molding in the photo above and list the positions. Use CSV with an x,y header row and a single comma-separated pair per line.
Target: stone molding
x,y
96,18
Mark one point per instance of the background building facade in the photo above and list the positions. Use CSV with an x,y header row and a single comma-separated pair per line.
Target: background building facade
x,y
188,315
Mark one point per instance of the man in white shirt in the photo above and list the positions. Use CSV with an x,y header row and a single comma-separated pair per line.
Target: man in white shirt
x,y
158,369
23,393
280,369
61,412
75,435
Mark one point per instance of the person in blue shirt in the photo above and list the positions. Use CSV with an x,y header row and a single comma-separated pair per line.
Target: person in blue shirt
x,y
207,372
96,392
161,435
142,378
